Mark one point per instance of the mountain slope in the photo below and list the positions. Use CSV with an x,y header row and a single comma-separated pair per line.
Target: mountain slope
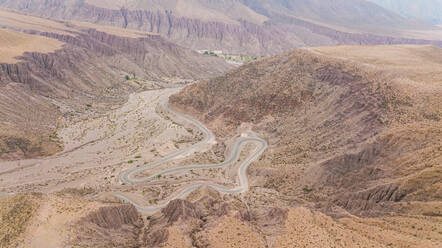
x,y
359,15
197,24
69,220
59,69
348,126
253,27
429,10
227,11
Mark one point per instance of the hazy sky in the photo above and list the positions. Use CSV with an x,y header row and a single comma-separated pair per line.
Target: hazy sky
x,y
429,10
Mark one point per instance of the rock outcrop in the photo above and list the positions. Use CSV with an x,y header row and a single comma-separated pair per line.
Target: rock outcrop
x,y
110,226
285,29
180,209
90,67
241,38
341,133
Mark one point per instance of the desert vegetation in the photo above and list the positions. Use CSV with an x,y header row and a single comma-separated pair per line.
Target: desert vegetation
x,y
15,215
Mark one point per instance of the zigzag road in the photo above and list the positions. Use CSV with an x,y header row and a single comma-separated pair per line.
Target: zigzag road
x,y
128,176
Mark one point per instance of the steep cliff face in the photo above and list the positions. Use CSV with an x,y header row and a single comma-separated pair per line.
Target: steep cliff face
x,y
241,37
89,68
281,26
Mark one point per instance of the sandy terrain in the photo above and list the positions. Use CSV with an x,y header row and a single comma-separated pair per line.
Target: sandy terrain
x,y
305,228
14,44
177,238
420,63
9,18
97,150
50,225
15,214
233,233
114,30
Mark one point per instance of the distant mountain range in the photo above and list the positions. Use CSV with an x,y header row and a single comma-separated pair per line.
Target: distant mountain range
x,y
252,27
428,10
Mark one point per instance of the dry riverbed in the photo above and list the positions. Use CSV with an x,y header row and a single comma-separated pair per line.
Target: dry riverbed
x,y
97,150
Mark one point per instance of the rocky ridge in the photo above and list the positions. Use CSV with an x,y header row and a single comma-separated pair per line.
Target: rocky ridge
x,y
302,100
90,68
283,31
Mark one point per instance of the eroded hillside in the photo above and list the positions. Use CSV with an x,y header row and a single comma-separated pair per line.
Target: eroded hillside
x,y
252,27
63,69
346,130
353,160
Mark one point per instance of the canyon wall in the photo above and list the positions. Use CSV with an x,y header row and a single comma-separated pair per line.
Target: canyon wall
x,y
90,68
278,34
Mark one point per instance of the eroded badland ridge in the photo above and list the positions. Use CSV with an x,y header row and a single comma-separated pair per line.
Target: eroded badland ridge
x,y
352,134
122,135
85,66
255,28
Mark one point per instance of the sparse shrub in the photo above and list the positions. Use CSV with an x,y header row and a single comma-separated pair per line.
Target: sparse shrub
x,y
138,156
15,214
127,77
306,189
130,162
76,191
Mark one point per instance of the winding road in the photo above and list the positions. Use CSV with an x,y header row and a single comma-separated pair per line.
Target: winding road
x,y
128,176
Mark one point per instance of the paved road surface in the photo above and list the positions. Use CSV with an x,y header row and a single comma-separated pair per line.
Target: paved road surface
x,y
127,176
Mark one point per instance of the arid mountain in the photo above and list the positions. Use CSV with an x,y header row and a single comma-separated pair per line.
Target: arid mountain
x,y
358,15
192,23
253,27
67,220
429,10
356,128
115,132
353,160
49,69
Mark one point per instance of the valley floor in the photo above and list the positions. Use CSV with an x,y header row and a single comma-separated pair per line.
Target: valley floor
x,y
96,150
